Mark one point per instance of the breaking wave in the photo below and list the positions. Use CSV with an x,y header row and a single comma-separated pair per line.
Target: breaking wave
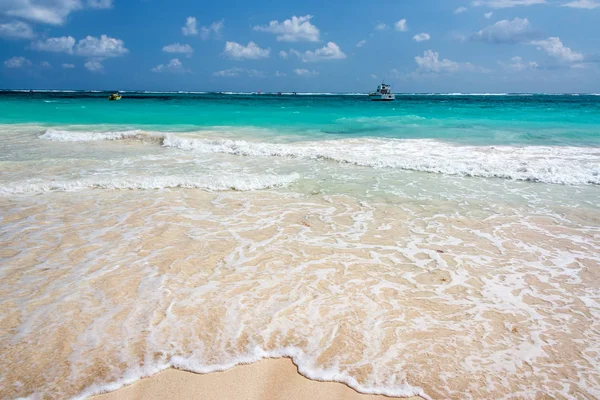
x,y
211,183
547,164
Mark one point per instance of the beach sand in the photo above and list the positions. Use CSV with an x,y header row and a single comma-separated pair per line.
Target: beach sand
x,y
266,379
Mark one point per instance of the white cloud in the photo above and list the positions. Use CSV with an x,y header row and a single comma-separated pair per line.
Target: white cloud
x,y
587,4
179,48
381,27
68,66
421,37
229,72
251,51
283,54
280,74
507,3
401,25
190,29
488,15
330,51
373,76
103,47
45,64
361,43
555,48
505,31
213,29
173,66
17,62
94,65
16,29
235,72
63,44
431,63
100,4
305,72
460,10
295,29
53,12
517,64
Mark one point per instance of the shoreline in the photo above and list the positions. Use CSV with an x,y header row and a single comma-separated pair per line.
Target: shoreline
x,y
268,379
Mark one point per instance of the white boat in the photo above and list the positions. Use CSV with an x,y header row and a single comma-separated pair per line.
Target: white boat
x,y
383,93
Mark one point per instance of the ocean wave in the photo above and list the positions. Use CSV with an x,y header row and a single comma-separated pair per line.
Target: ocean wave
x,y
547,164
87,136
560,165
210,183
302,361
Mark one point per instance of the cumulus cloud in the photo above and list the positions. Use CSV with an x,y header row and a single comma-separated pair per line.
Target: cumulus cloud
x,y
381,27
100,4
179,48
17,30
17,62
283,54
280,74
63,44
421,37
431,63
213,29
373,76
305,72
587,4
488,15
517,64
401,25
104,46
94,65
460,10
68,66
330,51
295,29
173,66
505,31
507,3
236,72
555,48
190,28
361,43
251,51
45,64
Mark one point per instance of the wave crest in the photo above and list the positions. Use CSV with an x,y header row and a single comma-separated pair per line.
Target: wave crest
x,y
211,183
547,164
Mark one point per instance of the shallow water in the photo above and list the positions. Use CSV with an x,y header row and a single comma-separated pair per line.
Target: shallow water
x,y
442,264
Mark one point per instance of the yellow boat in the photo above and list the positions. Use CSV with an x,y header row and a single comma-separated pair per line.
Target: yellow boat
x,y
115,96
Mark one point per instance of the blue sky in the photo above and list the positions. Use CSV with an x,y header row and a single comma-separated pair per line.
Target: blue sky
x,y
309,45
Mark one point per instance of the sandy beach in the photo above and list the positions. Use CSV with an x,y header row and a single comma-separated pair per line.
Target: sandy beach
x,y
268,379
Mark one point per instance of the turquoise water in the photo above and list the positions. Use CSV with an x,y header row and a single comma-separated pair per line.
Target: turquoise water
x,y
313,142
572,120
359,238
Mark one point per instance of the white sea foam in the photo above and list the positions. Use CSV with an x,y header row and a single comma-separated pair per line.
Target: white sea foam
x,y
561,165
304,363
82,136
558,164
212,183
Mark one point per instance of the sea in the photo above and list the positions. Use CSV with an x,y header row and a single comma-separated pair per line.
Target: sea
x,y
441,245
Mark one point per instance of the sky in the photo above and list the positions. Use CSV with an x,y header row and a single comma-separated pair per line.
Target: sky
x,y
442,46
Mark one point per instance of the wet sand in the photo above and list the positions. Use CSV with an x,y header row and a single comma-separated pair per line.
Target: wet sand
x,y
264,380
451,300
